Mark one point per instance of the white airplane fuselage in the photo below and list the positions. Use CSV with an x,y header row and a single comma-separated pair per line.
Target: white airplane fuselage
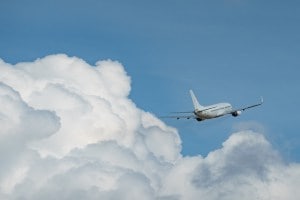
x,y
213,111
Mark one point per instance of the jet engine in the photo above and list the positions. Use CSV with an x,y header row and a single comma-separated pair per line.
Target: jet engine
x,y
236,113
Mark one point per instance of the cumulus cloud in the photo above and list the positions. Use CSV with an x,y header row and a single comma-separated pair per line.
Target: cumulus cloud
x,y
69,131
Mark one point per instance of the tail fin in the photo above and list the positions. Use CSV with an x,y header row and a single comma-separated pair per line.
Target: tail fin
x,y
197,106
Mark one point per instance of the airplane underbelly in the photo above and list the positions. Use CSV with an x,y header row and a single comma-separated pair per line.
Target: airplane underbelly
x,y
206,116
210,115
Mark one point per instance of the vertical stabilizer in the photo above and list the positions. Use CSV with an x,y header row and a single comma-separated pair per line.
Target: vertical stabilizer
x,y
197,106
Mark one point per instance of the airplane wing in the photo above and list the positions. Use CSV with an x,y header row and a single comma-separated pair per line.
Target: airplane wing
x,y
236,111
181,116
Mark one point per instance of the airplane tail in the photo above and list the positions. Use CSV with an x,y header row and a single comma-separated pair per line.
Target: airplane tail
x,y
196,104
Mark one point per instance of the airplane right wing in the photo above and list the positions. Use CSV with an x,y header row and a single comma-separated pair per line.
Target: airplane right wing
x,y
237,112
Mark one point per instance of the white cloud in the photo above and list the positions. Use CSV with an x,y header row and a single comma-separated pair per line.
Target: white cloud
x,y
69,131
20,125
246,167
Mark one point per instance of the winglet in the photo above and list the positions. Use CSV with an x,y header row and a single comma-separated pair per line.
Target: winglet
x,y
261,100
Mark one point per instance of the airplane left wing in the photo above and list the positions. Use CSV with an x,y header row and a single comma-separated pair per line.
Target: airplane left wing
x,y
180,117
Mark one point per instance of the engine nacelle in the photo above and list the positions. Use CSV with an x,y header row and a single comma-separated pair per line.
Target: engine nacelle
x,y
236,113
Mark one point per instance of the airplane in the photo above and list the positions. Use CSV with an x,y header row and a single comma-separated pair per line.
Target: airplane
x,y
201,113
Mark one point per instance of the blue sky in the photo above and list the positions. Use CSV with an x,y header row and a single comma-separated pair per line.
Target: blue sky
x,y
225,50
